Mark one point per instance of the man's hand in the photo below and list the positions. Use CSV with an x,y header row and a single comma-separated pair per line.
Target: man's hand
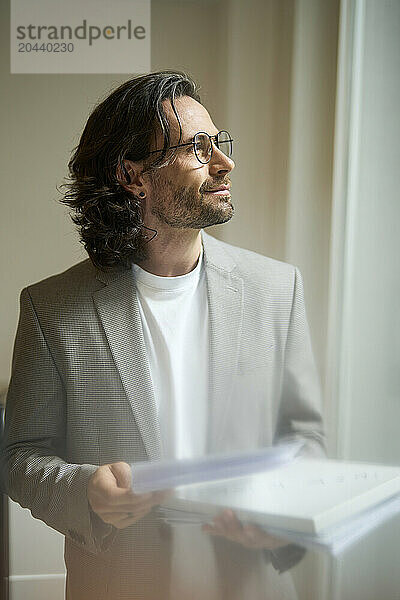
x,y
227,525
111,496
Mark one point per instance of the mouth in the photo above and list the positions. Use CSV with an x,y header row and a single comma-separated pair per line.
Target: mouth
x,y
222,190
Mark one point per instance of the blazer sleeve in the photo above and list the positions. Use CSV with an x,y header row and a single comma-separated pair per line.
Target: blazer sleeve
x,y
300,413
300,410
33,472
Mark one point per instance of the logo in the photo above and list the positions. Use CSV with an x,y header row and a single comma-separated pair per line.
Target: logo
x,y
53,36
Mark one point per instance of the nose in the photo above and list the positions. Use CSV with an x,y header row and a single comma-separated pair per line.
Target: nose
x,y
220,163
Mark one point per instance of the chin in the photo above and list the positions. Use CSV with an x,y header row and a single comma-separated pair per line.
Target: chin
x,y
219,216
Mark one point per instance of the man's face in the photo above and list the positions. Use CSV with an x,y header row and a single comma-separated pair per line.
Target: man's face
x,y
180,193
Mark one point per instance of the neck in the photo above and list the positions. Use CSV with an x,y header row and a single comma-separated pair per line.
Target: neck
x,y
173,254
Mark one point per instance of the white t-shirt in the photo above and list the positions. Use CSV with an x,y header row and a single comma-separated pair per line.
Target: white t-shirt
x,y
174,313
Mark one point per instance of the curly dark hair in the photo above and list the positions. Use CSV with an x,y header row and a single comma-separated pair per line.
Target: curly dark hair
x,y
109,218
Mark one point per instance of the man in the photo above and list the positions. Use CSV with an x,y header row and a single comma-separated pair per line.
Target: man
x,y
166,343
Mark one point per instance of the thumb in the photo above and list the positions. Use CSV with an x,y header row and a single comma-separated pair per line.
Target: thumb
x,y
122,473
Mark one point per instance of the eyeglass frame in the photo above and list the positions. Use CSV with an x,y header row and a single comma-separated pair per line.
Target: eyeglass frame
x,y
211,138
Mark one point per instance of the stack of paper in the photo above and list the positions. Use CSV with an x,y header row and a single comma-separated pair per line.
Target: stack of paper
x,y
323,504
167,474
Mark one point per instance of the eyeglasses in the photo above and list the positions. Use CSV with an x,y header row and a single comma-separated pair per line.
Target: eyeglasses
x,y
203,145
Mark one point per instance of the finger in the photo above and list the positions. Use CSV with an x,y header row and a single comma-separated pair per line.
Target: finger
x,y
229,522
150,498
231,519
115,487
125,508
119,517
219,520
122,517
253,537
129,510
130,520
132,506
217,527
104,486
122,473
110,498
129,497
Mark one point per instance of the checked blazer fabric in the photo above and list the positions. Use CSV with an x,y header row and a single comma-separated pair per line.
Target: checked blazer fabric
x,y
81,395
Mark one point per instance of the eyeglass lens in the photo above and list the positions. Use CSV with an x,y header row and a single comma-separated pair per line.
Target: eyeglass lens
x,y
203,145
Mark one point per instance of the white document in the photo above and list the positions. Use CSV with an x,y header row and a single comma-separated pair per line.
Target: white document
x,y
335,540
317,503
151,476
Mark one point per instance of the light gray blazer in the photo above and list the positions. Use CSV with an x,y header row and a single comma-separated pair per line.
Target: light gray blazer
x,y
81,395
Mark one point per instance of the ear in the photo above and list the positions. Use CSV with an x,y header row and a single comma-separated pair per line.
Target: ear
x,y
129,176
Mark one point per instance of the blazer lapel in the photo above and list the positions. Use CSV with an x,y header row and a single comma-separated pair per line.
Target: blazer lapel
x,y
225,297
118,310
